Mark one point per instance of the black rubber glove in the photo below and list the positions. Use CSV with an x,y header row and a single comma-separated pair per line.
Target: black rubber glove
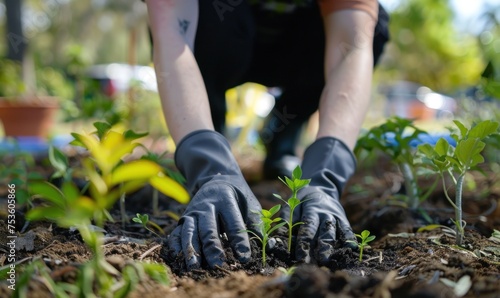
x,y
329,164
222,202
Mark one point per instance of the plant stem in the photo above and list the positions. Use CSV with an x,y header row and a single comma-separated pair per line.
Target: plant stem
x,y
264,244
458,210
410,185
361,253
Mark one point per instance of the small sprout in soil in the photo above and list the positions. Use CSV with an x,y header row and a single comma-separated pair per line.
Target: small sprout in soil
x,y
143,219
365,238
287,272
456,162
266,227
295,184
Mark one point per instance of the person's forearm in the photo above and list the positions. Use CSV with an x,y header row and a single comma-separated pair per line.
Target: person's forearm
x,y
348,72
180,84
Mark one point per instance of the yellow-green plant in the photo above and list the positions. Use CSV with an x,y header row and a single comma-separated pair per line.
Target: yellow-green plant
x,y
443,158
110,177
365,238
294,184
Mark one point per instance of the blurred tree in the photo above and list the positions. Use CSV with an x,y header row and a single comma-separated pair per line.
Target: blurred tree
x,y
101,27
490,44
427,49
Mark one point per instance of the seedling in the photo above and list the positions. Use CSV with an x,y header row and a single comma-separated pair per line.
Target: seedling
x,y
266,227
294,184
457,161
393,139
143,219
365,238
111,178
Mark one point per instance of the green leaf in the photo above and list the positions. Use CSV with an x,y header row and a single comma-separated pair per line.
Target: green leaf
x,y
293,202
275,228
370,238
461,127
157,272
41,213
132,135
102,129
301,183
365,234
483,129
289,183
442,146
266,214
77,141
48,192
58,160
70,191
297,173
274,210
466,149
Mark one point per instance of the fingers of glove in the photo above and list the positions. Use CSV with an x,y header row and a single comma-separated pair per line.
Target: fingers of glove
x,y
305,237
209,236
174,242
327,237
191,244
348,236
234,226
344,226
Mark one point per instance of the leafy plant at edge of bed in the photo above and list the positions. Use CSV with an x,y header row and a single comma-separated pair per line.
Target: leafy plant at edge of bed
x,y
294,184
109,178
391,138
442,158
365,238
266,227
108,146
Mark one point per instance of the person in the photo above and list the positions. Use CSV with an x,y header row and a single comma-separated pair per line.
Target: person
x,y
320,53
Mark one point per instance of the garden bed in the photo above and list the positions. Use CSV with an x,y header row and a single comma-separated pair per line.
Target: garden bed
x,y
400,263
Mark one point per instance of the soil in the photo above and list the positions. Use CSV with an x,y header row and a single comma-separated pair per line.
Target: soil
x,y
401,262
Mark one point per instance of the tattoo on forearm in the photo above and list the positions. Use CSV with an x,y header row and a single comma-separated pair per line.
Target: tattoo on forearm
x,y
183,26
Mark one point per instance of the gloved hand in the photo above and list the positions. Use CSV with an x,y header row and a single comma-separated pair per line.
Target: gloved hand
x,y
329,164
222,202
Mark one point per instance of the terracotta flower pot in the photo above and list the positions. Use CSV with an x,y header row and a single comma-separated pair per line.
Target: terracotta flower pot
x,y
33,117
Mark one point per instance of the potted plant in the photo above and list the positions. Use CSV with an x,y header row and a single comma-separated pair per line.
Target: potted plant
x,y
30,112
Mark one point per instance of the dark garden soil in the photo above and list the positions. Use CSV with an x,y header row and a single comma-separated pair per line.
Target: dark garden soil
x,y
400,263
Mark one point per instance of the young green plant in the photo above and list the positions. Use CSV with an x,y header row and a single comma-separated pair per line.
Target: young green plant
x,y
143,219
294,184
266,227
365,238
443,158
394,138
